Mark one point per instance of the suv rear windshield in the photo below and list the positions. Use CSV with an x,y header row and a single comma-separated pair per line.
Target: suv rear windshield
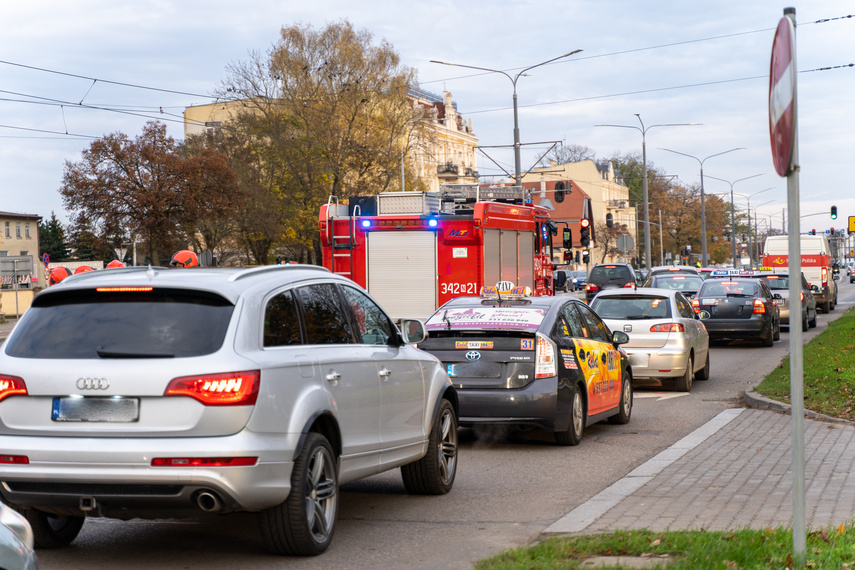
x,y
610,273
153,324
718,288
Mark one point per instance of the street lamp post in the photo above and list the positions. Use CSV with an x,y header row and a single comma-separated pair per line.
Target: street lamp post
x,y
517,169
643,130
703,210
753,247
733,209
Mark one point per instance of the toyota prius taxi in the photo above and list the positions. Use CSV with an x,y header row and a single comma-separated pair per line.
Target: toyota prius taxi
x,y
548,362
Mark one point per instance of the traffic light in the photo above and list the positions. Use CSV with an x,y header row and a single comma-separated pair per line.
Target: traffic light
x,y
610,220
567,238
568,256
834,212
585,232
813,232
585,257
578,257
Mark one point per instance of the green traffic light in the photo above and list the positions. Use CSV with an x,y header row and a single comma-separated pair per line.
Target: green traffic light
x,y
834,212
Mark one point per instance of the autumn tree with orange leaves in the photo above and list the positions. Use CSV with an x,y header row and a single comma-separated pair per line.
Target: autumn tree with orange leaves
x,y
147,187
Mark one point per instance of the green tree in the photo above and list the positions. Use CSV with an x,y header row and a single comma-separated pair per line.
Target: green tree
x,y
324,113
52,239
147,187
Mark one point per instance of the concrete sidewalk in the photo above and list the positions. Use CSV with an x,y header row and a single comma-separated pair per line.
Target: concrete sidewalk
x,y
733,472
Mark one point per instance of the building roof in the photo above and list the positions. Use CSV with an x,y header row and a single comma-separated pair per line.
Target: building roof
x,y
20,216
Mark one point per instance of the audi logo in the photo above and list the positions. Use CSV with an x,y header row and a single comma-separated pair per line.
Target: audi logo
x,y
473,355
92,383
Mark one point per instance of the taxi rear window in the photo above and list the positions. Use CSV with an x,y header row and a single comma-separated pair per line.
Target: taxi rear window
x,y
487,318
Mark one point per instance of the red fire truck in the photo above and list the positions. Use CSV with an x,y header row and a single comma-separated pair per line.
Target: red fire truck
x,y
413,251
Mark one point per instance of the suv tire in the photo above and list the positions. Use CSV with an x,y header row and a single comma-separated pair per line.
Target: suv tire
x,y
434,473
53,531
304,523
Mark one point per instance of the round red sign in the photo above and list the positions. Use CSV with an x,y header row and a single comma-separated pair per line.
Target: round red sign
x,y
782,96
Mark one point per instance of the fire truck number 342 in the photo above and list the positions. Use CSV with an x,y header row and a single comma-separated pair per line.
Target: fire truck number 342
x,y
458,288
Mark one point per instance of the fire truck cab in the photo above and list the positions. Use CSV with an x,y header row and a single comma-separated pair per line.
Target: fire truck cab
x,y
414,251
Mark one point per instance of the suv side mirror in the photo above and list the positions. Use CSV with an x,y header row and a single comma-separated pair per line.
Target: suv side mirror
x,y
777,296
703,315
413,331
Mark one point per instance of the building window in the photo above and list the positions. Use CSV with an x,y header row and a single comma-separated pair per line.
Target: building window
x,y
4,253
27,230
23,253
8,229
18,230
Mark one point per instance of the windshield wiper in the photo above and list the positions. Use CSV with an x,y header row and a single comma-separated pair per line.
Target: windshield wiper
x,y
104,353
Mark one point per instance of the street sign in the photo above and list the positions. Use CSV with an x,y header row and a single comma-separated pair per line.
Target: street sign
x,y
625,243
782,96
851,224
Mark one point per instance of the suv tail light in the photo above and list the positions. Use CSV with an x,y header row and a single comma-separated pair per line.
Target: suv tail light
x,y
228,389
696,305
591,287
11,386
629,285
545,365
759,306
203,461
668,327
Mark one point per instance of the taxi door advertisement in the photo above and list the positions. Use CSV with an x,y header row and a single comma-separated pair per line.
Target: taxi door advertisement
x,y
600,364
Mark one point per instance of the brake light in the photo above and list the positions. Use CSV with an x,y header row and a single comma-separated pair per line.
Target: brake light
x,y
591,287
14,460
825,277
669,327
124,289
203,461
696,305
759,307
11,386
229,389
629,285
544,358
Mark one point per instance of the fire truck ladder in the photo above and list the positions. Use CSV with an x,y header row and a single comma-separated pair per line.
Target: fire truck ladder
x,y
342,245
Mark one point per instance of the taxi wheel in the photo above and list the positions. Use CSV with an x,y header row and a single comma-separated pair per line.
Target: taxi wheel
x,y
625,407
805,323
812,322
777,332
684,383
573,434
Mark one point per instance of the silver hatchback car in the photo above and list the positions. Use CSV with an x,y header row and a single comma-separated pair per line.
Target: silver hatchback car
x,y
667,340
145,392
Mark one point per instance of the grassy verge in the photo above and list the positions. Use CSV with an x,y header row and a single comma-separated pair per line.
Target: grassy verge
x,y
730,550
829,388
829,372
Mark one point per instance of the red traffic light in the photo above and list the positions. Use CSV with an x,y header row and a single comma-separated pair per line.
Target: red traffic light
x,y
584,222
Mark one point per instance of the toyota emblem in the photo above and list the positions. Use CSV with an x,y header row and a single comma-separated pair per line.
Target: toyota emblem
x,y
92,383
473,355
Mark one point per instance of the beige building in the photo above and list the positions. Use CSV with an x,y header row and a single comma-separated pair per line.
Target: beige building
x,y
19,258
442,153
608,194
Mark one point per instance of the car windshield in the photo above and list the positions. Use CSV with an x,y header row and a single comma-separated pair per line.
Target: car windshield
x,y
578,274
728,288
677,282
632,307
611,273
152,324
776,283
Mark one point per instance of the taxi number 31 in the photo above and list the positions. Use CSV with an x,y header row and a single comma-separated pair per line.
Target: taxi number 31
x,y
458,288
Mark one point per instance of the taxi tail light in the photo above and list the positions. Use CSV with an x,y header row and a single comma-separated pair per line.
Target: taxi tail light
x,y
545,362
696,305
11,386
668,327
591,287
203,461
629,285
802,296
228,389
759,307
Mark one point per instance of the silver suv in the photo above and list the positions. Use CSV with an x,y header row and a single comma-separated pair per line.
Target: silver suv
x,y
140,392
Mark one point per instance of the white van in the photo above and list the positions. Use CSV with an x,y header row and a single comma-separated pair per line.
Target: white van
x,y
816,265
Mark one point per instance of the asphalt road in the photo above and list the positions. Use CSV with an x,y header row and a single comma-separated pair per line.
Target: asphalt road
x,y
509,488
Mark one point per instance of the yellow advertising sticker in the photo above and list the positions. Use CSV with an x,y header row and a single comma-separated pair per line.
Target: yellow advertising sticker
x,y
473,344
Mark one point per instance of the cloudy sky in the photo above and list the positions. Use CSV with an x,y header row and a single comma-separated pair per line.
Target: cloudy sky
x,y
74,71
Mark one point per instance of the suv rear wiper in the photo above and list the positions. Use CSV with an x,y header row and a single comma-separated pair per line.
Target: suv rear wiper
x,y
104,353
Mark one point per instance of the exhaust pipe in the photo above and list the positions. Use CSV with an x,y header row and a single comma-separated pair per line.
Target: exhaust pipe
x,y
208,502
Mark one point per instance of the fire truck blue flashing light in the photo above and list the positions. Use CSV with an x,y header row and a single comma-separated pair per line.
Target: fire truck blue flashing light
x,y
366,223
432,222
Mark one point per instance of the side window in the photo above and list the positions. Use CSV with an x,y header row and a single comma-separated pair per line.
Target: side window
x,y
326,320
372,324
596,328
281,325
574,321
685,310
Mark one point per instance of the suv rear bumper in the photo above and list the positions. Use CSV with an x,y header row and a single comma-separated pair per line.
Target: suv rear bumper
x,y
117,473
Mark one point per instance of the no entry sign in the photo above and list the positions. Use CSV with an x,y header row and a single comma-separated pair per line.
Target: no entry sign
x,y
782,96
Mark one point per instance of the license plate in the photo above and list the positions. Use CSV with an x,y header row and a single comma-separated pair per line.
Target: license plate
x,y
95,409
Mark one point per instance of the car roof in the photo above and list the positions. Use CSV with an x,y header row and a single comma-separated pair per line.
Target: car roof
x,y
228,282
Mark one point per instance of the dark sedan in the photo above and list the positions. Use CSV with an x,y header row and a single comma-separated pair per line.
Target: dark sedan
x,y
548,362
741,308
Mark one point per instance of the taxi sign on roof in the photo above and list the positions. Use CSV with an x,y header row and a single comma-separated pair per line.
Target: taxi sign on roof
x,y
504,290
504,318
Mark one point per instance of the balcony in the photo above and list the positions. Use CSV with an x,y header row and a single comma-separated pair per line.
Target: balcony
x,y
618,204
448,170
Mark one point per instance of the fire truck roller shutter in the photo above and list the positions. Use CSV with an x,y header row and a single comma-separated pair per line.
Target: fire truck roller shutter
x,y
492,256
526,260
402,272
509,256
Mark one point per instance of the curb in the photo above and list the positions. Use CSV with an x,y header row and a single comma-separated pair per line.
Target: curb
x,y
754,400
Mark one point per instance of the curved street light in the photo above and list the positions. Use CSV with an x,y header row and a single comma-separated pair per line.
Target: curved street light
x,y
703,209
517,169
643,130
733,209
